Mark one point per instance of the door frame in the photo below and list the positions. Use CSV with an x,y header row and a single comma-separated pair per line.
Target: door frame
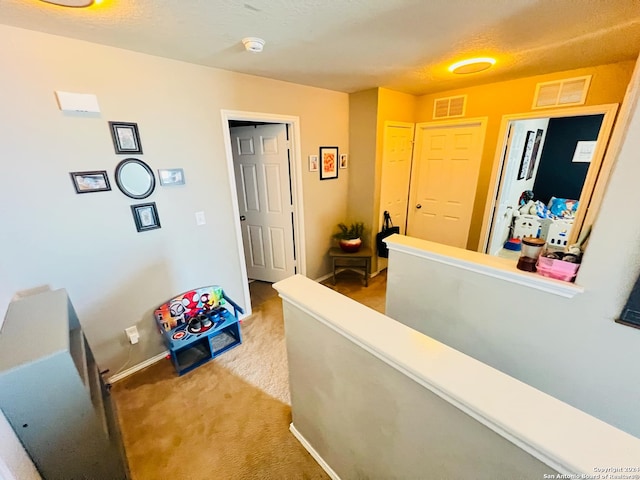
x,y
417,145
609,111
295,176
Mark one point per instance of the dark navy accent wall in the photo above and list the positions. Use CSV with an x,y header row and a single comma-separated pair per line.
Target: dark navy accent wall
x,y
557,175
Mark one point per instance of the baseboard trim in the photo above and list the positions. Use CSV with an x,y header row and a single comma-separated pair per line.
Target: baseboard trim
x,y
316,456
130,371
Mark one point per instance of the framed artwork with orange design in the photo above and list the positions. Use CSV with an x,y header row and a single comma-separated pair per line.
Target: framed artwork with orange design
x,y
328,163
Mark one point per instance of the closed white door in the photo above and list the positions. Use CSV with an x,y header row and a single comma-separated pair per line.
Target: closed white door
x,y
444,180
396,172
261,164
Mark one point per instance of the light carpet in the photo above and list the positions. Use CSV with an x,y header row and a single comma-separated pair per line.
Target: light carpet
x,y
228,419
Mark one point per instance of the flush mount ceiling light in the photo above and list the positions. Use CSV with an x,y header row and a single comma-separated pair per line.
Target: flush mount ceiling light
x,y
253,44
71,3
472,65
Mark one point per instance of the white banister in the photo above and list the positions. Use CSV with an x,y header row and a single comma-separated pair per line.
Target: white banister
x,y
330,378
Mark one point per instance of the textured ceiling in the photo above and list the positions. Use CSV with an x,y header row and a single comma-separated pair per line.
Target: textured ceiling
x,y
352,45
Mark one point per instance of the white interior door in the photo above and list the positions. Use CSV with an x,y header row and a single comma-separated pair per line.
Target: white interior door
x,y
444,180
511,187
261,165
396,172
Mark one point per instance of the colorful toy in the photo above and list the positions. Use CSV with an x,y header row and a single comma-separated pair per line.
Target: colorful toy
x,y
197,327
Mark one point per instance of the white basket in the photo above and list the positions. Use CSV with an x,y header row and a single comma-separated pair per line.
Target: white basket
x,y
559,233
526,226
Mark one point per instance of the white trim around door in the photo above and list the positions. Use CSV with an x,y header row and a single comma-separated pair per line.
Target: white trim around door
x,y
296,187
608,110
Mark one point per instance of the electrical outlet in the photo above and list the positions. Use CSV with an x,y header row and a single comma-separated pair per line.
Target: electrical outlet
x,y
132,334
200,219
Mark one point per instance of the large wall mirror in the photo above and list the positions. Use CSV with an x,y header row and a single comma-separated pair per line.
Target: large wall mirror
x,y
134,178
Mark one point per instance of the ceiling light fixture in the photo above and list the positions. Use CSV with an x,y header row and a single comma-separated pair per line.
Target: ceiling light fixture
x,y
253,44
71,3
472,65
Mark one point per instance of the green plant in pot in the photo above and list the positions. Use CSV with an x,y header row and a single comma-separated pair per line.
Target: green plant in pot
x,y
350,236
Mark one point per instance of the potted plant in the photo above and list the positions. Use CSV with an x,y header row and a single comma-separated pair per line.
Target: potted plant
x,y
349,236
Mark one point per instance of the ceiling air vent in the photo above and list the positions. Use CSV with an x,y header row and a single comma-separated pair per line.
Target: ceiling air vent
x,y
571,91
449,107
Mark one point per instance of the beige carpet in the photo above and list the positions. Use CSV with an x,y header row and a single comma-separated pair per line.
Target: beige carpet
x,y
228,419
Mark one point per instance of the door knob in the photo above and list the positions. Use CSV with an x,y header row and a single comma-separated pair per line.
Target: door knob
x,y
242,218
418,206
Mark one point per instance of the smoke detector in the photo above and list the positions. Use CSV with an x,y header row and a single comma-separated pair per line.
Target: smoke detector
x,y
253,44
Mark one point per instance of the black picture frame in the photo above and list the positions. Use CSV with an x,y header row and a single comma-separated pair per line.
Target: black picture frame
x,y
91,181
126,138
145,216
526,155
534,153
329,160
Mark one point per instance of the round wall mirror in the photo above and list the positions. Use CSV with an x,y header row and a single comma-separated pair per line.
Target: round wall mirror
x,y
135,178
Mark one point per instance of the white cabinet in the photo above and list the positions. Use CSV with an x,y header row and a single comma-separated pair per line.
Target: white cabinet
x,y
52,393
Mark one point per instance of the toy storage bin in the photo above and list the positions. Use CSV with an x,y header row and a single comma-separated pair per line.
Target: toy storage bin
x,y
558,269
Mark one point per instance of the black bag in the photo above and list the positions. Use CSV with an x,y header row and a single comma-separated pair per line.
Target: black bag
x,y
387,229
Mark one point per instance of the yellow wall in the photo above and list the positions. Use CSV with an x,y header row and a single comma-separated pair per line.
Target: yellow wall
x,y
368,110
363,108
608,85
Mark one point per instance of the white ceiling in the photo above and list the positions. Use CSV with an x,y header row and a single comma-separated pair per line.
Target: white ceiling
x,y
352,45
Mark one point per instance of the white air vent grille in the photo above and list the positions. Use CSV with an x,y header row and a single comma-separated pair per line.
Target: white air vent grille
x,y
449,107
571,91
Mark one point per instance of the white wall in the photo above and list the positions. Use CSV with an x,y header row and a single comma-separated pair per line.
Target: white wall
x,y
569,348
88,243
512,188
376,399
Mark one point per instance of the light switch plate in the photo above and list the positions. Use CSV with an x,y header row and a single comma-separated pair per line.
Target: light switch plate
x,y
200,218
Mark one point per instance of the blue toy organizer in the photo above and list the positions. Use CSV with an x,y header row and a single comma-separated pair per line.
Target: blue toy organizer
x,y
197,326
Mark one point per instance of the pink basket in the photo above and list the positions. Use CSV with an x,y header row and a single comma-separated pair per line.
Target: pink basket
x,y
558,269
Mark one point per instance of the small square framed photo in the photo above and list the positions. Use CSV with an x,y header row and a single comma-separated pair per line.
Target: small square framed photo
x,y
344,160
88,182
125,136
313,163
145,215
171,176
328,163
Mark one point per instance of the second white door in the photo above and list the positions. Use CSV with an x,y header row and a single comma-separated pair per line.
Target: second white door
x,y
396,172
444,178
261,164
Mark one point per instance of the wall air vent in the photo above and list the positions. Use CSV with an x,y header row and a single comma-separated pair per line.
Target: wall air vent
x,y
449,107
567,92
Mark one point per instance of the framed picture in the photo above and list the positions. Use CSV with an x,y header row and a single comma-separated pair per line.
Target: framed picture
x,y
125,136
328,163
146,216
87,182
344,160
534,153
526,155
171,176
313,163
